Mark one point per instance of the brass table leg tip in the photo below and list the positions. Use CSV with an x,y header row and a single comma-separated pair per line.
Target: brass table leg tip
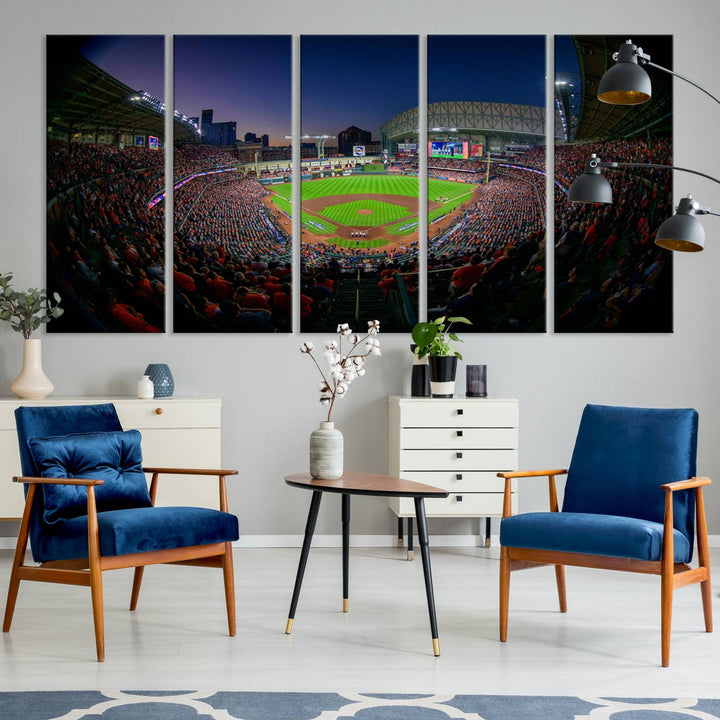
x,y
401,542
436,647
410,554
346,605
288,627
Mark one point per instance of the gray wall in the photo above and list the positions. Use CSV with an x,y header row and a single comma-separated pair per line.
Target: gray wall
x,y
267,387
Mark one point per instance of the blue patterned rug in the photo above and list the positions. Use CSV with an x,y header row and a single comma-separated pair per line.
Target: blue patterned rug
x,y
188,705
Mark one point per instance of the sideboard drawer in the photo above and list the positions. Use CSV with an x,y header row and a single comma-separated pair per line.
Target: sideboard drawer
x,y
459,437
458,482
455,505
162,413
459,412
458,460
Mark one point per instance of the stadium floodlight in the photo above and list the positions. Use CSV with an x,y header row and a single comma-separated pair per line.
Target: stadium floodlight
x,y
627,82
681,232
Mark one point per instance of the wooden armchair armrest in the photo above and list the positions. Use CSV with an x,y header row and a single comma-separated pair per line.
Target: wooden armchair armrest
x,y
509,476
531,473
188,471
57,481
220,474
695,482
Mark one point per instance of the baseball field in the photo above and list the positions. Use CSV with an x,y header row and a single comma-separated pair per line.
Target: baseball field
x,y
369,211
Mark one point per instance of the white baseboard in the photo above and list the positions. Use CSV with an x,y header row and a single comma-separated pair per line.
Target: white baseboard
x,y
335,541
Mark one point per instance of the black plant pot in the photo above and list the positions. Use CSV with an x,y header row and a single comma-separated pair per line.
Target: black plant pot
x,y
442,375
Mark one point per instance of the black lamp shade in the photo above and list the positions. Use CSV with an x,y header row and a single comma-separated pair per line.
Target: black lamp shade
x,y
590,187
625,83
682,233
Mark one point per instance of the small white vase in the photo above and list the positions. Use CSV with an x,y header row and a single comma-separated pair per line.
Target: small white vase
x,y
32,383
326,452
145,388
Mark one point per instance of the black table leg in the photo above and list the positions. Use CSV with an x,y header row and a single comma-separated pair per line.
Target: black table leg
x,y
346,548
410,551
400,532
309,530
425,553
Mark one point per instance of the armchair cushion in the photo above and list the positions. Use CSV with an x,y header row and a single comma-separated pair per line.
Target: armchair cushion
x,y
138,530
592,534
114,457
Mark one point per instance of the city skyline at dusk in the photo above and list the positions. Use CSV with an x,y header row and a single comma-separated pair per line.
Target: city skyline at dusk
x,y
242,78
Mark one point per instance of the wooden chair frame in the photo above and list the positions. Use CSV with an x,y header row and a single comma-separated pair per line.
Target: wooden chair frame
x,y
672,575
88,571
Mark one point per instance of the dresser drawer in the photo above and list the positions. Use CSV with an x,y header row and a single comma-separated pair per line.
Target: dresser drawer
x,y
459,482
454,505
457,460
459,438
162,413
459,413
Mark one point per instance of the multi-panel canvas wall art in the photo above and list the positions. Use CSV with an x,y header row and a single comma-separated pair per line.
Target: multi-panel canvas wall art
x,y
105,174
360,186
232,184
486,181
609,275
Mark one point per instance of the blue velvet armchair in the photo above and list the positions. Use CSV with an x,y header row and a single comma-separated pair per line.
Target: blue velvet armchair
x,y
631,503
88,509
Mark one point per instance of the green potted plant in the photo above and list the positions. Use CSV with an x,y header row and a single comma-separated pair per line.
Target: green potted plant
x,y
435,339
26,312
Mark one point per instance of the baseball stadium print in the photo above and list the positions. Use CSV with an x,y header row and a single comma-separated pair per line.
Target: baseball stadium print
x,y
609,275
232,184
486,180
360,185
105,182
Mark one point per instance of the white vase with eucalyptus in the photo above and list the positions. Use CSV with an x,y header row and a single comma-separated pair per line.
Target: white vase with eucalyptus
x,y
26,312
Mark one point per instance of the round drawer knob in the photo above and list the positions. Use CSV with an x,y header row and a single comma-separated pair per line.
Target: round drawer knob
x,y
158,411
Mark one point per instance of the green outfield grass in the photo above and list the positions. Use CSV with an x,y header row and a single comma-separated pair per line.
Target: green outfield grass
x,y
383,212
456,192
349,213
361,184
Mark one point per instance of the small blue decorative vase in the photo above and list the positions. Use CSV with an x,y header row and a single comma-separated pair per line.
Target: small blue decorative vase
x,y
162,379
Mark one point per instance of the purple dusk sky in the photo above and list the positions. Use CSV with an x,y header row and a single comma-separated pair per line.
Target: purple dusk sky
x,y
245,78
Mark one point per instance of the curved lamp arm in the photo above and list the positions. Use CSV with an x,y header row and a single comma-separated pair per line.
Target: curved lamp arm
x,y
644,61
594,162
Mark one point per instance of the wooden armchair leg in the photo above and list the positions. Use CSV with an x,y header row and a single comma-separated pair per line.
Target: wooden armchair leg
x,y
137,582
704,559
560,580
229,578
504,592
11,598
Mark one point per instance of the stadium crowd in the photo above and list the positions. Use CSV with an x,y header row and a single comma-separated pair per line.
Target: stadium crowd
x,y
609,275
106,247
232,269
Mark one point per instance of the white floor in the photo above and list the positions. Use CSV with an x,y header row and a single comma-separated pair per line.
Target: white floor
x,y
607,644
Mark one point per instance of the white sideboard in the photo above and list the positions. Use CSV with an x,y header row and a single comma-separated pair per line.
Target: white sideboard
x,y
181,432
458,444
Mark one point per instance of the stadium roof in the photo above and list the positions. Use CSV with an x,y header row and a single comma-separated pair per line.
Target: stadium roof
x,y
599,120
84,98
521,123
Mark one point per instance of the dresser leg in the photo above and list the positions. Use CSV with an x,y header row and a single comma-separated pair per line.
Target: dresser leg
x,y
309,530
487,532
425,553
400,533
410,532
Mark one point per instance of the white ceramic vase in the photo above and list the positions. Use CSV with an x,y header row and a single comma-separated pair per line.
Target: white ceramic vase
x,y
145,388
326,452
32,383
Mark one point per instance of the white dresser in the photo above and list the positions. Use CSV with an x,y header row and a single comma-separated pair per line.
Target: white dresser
x,y
176,432
458,444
